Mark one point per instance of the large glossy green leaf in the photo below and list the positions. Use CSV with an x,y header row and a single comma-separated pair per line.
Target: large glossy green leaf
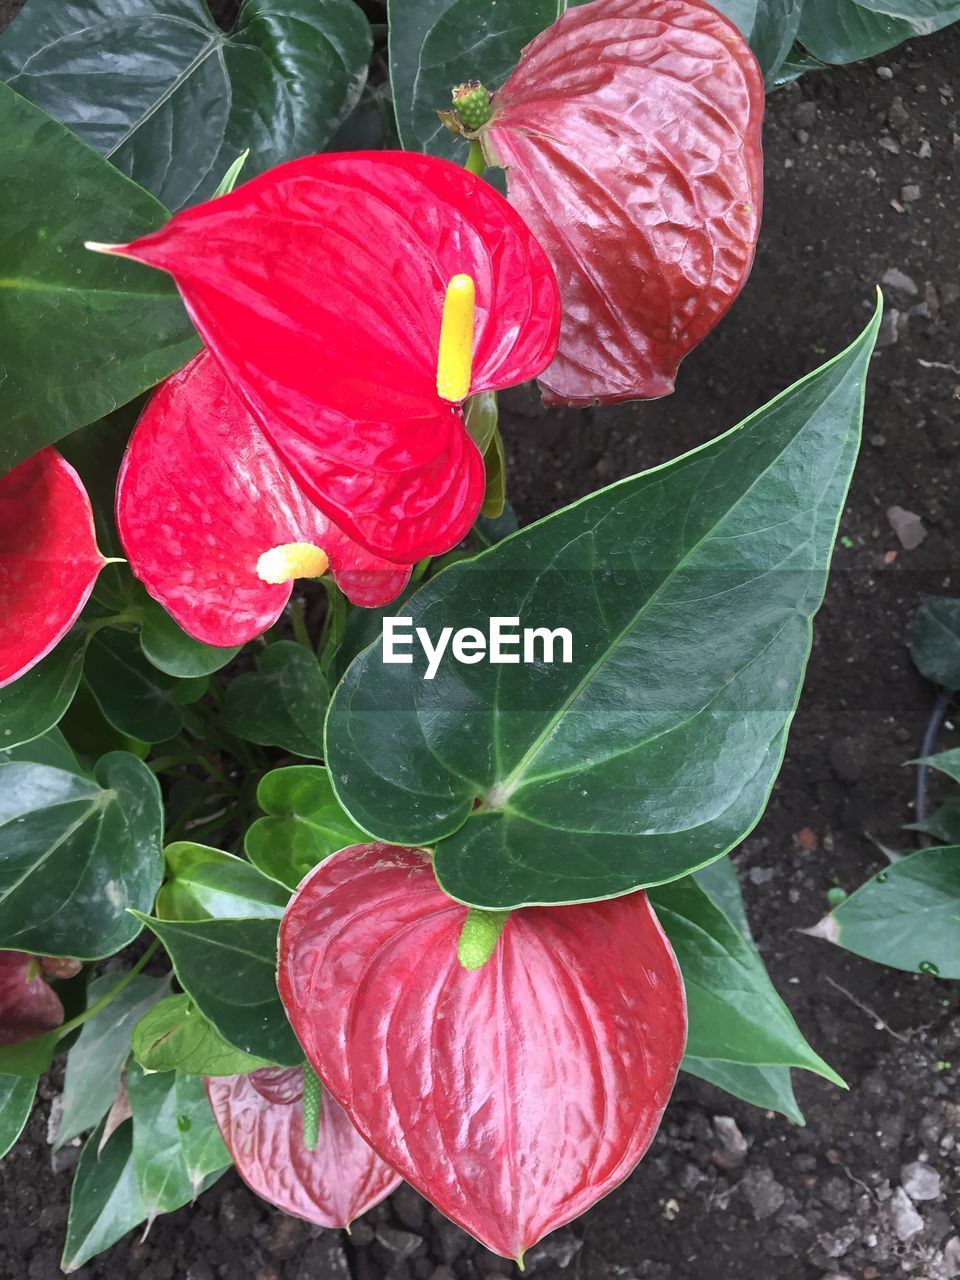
x,y
175,1036
172,100
84,332
839,31
176,1142
282,703
735,1015
907,916
95,1061
769,26
208,884
935,640
688,592
947,762
16,1102
767,1087
51,748
169,647
134,696
104,1200
943,824
306,823
228,967
76,854
436,44
34,703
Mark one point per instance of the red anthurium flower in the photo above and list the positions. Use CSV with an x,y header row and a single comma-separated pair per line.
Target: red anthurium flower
x,y
320,286
512,1096
28,1006
48,559
214,524
261,1121
630,130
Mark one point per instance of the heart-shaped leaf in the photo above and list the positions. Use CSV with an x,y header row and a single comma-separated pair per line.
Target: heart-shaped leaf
x,y
208,884
687,595
935,640
95,1061
631,137
171,650
48,564
36,701
735,1013
175,1035
906,916
76,855
176,1145
171,99
261,1120
334,349
16,1102
306,824
56,377
104,1200
282,703
769,1088
228,968
437,44
29,1006
839,31
512,1096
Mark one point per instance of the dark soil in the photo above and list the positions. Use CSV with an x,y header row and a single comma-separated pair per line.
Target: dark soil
x,y
804,1203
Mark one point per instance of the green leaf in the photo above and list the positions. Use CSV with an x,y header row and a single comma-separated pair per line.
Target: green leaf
x,y
770,28
437,44
947,762
208,884
839,31
169,647
34,703
735,1014
767,1087
688,593
166,1109
228,967
85,332
29,1058
490,532
282,703
51,749
935,640
134,696
907,916
943,824
16,1102
104,1201
171,99
306,824
91,734
96,1059
76,855
175,1035
495,466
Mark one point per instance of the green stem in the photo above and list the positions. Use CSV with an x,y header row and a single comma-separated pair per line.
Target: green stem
x,y
300,633
66,1027
475,161
93,625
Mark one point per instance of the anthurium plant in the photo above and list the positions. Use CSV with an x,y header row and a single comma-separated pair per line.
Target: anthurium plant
x,y
406,826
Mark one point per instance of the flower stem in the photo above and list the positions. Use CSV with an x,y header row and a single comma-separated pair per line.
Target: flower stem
x,y
111,995
475,161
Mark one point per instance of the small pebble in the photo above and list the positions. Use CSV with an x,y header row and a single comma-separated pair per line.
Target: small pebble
x,y
884,73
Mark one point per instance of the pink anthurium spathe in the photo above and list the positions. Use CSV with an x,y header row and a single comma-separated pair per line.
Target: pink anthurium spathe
x,y
260,1117
28,1005
630,131
320,288
213,522
514,1095
48,559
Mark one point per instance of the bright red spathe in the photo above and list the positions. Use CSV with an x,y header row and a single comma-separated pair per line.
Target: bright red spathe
x,y
48,559
260,1117
319,289
513,1096
202,494
630,131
